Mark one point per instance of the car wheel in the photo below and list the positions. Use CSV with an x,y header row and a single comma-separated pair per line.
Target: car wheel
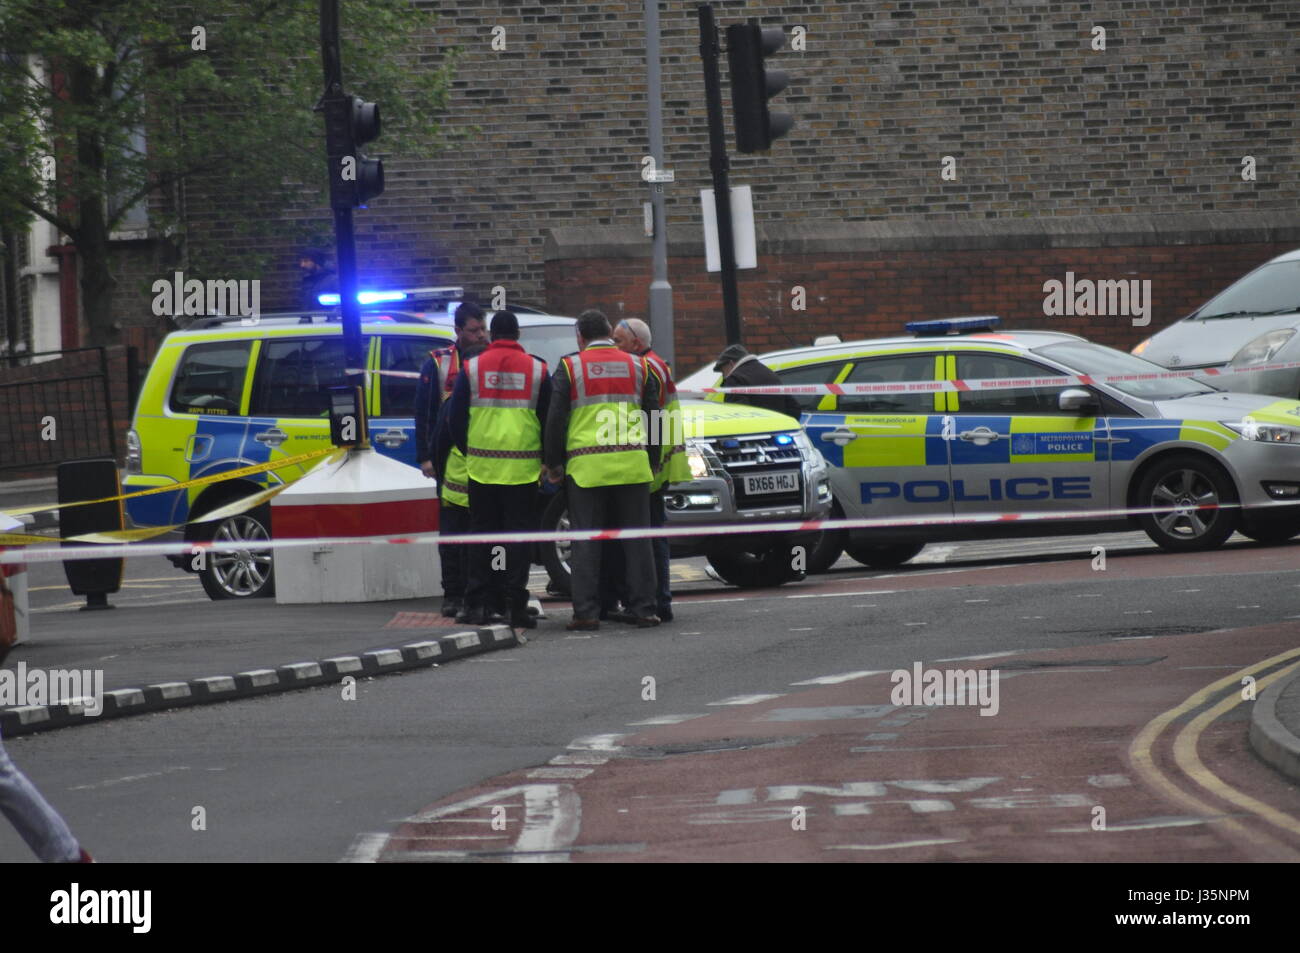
x,y
243,573
557,557
1270,526
883,555
760,569
823,554
1189,493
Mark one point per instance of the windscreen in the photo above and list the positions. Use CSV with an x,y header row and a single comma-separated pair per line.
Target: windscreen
x,y
1100,362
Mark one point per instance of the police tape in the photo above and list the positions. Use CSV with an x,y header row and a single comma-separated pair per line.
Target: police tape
x,y
185,484
127,550
974,384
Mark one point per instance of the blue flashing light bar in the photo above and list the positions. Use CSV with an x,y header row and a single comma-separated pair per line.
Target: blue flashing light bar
x,y
965,325
782,439
332,299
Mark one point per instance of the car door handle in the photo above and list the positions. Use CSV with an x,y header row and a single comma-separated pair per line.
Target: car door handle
x,y
392,437
840,436
981,436
272,438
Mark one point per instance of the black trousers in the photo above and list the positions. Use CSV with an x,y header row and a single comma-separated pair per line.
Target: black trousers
x,y
626,506
613,587
453,520
498,572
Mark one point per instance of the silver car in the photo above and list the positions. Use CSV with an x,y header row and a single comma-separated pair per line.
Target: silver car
x,y
1253,322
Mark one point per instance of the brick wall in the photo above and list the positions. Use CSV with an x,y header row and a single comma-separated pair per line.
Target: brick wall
x,y
1039,123
867,281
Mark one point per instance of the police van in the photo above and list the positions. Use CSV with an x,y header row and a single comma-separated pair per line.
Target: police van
x,y
227,393
1210,461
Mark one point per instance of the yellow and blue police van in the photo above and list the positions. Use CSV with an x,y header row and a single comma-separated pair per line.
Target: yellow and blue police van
x,y
1117,433
225,395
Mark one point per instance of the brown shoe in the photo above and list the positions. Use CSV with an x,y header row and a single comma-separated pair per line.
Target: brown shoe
x,y
583,625
646,621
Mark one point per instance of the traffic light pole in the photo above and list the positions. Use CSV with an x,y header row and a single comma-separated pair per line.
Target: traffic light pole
x,y
344,238
719,165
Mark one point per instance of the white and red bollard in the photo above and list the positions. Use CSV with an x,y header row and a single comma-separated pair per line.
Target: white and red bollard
x,y
367,494
16,579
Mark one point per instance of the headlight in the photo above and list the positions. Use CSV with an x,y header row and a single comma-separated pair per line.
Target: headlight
x,y
1141,346
1251,429
1262,349
699,466
133,460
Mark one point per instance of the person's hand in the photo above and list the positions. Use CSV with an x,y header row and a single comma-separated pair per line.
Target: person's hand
x,y
426,467
554,474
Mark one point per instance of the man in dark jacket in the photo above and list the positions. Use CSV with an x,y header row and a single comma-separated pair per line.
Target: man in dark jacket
x,y
739,368
315,277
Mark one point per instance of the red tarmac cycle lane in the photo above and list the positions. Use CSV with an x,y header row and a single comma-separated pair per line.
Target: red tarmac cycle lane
x,y
1085,759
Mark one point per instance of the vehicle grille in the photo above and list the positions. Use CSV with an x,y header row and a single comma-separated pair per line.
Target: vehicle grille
x,y
753,454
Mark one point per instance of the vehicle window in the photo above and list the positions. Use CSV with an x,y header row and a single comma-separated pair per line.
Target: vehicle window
x,y
810,374
885,370
1084,357
210,378
550,342
1273,289
1025,401
294,377
397,394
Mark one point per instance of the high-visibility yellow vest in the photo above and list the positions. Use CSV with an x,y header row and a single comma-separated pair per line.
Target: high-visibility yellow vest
x,y
606,442
505,437
672,466
455,478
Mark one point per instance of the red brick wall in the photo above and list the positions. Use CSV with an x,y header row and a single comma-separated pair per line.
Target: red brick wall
x,y
872,295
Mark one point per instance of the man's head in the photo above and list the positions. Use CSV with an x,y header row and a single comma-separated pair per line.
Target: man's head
x,y
470,329
592,326
505,326
312,261
633,335
727,360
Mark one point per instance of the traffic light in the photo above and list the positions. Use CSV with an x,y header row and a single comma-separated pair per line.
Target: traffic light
x,y
752,85
354,177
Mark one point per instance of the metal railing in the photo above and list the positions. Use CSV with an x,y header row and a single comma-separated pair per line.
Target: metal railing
x,y
45,421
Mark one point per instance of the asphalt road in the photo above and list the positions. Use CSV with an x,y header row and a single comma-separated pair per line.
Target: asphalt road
x,y
311,776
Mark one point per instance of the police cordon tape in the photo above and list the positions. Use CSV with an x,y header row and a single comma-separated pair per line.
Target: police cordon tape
x,y
992,383
941,386
185,484
127,550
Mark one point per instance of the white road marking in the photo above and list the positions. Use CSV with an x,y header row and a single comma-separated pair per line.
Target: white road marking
x,y
560,774
829,595
948,748
1135,825
1109,780
898,845
127,779
837,679
976,658
665,720
746,699
579,758
916,623
806,628
865,605
977,600
1088,595
607,742
365,849
552,818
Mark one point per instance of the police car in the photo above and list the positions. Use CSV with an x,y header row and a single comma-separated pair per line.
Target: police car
x,y
222,395
1178,445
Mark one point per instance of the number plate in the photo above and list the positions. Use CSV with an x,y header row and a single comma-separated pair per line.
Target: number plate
x,y
784,481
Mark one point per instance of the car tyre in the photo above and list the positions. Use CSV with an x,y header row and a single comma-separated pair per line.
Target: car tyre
x,y
883,555
761,569
823,554
1270,527
556,556
1181,487
246,574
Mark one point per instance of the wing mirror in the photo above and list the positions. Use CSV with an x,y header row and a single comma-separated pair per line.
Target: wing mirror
x,y
1078,401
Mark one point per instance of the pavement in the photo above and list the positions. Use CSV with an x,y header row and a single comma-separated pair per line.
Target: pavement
x,y
152,658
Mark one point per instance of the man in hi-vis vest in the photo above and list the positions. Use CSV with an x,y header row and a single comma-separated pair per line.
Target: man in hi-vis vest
x,y
670,466
439,457
596,437
496,414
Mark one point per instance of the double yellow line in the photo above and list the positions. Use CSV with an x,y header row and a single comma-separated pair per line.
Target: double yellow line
x,y
1187,758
